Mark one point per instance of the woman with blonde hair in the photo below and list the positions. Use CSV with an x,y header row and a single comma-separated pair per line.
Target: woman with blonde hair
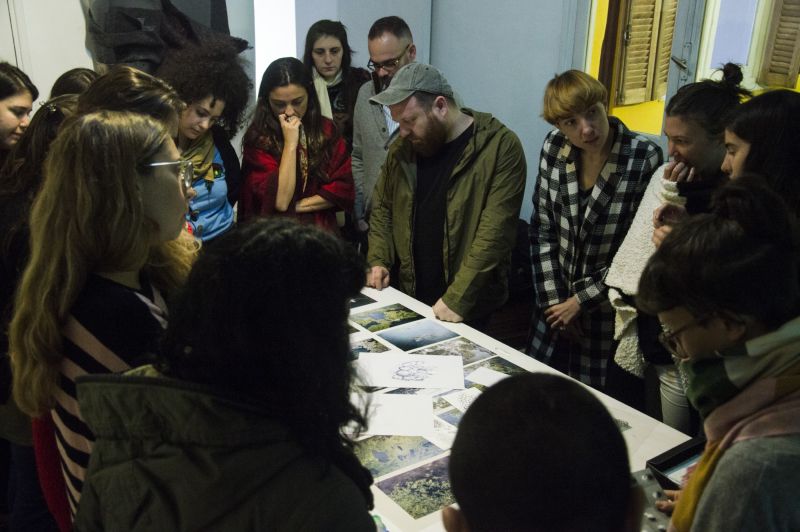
x,y
592,175
107,244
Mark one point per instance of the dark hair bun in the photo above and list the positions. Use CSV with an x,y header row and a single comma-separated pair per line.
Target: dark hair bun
x,y
732,74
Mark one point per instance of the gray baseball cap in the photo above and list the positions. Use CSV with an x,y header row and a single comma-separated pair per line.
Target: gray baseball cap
x,y
412,78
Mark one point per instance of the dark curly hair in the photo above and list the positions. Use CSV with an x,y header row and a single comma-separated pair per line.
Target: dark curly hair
x,y
268,302
213,69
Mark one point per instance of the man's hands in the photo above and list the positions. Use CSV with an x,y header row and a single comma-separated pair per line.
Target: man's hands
x,y
443,312
378,277
560,316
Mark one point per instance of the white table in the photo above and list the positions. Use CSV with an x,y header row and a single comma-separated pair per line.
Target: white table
x,y
402,465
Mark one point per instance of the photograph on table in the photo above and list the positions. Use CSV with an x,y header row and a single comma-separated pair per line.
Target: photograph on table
x,y
498,364
417,334
386,454
421,491
469,351
385,317
417,391
366,345
452,416
360,300
403,370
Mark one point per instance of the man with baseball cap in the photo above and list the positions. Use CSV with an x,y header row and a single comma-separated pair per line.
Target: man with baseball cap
x,y
445,208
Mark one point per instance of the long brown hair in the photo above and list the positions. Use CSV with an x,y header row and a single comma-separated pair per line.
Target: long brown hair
x,y
87,217
265,131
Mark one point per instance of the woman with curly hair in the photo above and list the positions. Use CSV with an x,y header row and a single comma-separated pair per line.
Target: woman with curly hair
x,y
214,85
327,56
295,162
250,402
107,241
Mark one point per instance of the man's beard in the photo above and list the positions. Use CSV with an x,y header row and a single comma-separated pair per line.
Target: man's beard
x,y
432,139
380,83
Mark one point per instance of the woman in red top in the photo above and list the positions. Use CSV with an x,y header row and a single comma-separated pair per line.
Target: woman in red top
x,y
295,163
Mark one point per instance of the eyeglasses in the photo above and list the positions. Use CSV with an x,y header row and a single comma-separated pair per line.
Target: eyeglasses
x,y
387,65
669,339
185,171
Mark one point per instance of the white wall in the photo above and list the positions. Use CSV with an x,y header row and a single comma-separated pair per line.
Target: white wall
x,y
358,16
497,55
501,60
49,38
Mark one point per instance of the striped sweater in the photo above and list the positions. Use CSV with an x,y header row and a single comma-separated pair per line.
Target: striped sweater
x,y
111,328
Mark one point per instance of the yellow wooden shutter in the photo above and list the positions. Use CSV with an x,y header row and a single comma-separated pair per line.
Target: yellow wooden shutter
x,y
638,51
781,61
666,30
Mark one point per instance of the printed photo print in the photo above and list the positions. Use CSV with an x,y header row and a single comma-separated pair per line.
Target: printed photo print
x,y
469,352
416,335
385,454
385,317
421,491
360,300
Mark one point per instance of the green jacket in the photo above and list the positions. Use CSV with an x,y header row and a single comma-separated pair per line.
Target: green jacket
x,y
169,455
483,201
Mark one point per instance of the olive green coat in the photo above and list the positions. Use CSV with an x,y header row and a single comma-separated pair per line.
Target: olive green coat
x,y
171,456
484,196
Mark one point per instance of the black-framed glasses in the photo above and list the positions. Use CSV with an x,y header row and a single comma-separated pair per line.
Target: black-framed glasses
x,y
669,339
185,171
389,64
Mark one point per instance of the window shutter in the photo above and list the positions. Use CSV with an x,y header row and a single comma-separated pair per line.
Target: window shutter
x,y
638,51
666,30
781,61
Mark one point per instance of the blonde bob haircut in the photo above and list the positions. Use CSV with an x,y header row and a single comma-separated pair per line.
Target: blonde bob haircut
x,y
87,217
571,92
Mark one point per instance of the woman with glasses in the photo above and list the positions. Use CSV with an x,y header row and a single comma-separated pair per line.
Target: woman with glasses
x,y
724,286
107,246
295,162
327,56
17,94
592,174
252,402
212,82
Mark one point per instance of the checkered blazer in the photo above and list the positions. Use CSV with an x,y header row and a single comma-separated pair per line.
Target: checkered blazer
x,y
572,251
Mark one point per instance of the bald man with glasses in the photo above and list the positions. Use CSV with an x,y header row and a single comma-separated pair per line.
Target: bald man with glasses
x,y
391,46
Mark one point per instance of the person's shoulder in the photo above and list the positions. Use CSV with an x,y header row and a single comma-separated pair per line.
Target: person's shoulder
x,y
779,454
365,92
358,75
754,484
322,499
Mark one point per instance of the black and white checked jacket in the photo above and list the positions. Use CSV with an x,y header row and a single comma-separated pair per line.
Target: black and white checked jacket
x,y
571,253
